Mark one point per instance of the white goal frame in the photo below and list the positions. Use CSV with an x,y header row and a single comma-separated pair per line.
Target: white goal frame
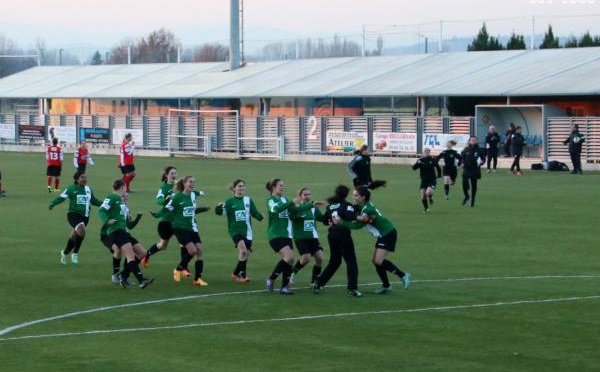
x,y
279,148
207,139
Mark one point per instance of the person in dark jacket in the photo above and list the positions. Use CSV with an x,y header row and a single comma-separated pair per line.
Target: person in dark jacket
x,y
491,144
428,165
516,149
507,140
340,242
472,157
360,167
575,140
451,159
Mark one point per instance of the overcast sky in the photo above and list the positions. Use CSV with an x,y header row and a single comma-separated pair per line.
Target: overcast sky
x,y
103,23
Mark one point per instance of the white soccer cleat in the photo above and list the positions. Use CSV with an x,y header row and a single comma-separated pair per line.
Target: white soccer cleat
x,y
63,258
75,258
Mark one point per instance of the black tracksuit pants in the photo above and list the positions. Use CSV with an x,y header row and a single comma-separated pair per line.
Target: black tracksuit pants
x,y
342,247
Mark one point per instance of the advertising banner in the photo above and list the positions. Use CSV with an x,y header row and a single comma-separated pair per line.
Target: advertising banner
x,y
95,135
7,131
32,133
119,134
437,141
66,134
345,141
395,142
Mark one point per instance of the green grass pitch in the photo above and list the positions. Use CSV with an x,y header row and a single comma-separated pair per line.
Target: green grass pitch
x,y
510,285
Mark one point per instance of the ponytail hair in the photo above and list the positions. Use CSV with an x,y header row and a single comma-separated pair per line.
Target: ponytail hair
x,y
339,194
272,183
376,184
235,183
77,175
180,185
118,184
301,191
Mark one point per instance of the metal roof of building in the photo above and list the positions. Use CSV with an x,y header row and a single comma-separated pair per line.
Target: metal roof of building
x,y
503,73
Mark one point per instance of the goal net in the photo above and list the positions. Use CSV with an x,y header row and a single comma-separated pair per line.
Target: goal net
x,y
261,147
196,132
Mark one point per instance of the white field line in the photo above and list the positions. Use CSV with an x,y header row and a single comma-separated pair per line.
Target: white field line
x,y
10,329
308,317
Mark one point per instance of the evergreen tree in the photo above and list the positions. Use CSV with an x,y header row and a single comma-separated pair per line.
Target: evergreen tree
x,y
481,41
571,42
96,59
516,42
586,40
550,42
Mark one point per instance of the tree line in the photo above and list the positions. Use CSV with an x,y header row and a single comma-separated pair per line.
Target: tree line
x,y
484,41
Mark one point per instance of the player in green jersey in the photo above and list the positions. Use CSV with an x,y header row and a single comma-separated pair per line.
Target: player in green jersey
x,y
183,208
80,197
239,209
115,251
115,214
165,229
304,229
386,235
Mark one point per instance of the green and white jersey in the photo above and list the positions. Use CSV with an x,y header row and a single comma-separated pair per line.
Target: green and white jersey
x,y
379,225
238,212
304,223
114,208
183,207
165,190
80,199
130,225
280,225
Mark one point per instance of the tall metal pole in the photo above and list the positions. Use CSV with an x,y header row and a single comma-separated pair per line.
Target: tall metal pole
x,y
60,57
440,43
128,55
364,37
532,42
234,35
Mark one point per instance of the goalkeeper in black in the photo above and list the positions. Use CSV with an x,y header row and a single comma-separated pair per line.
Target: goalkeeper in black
x,y
472,157
428,166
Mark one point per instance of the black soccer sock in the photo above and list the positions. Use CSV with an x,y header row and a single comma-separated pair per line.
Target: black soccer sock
x,y
424,201
135,269
69,247
236,271
242,272
447,190
298,266
389,266
465,186
185,259
316,271
279,268
473,192
126,270
287,272
152,250
137,260
78,241
382,275
199,268
116,263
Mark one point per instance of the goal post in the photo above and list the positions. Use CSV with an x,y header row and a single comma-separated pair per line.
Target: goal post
x,y
261,147
185,135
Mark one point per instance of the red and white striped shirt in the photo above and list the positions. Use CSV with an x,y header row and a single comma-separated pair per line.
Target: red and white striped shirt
x,y
82,156
126,157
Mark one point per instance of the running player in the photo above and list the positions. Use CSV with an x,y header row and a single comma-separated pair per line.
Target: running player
x,y
360,166
115,214
54,158
305,234
2,191
386,235
183,207
239,209
450,170
80,197
428,166
126,160
165,230
81,157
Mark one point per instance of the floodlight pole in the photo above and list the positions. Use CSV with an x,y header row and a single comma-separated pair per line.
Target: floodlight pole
x,y
440,42
532,42
364,37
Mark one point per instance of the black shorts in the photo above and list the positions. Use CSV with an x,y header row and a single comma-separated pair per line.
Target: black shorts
x,y
278,243
53,170
388,241
308,246
107,241
76,218
426,184
81,167
165,230
238,238
127,169
450,172
121,238
186,236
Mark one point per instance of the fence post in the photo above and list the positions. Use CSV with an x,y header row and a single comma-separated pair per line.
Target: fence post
x,y
145,129
346,124
77,126
394,124
219,128
445,125
370,128
472,127
302,134
163,132
323,134
111,127
420,135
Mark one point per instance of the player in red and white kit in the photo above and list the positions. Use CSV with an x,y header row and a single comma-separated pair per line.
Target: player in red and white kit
x,y
126,160
54,157
81,157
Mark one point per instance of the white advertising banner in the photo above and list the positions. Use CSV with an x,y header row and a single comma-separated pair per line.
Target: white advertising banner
x,y
395,142
7,131
345,141
437,141
66,134
119,134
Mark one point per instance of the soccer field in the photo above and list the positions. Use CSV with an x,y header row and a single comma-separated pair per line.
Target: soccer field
x,y
510,285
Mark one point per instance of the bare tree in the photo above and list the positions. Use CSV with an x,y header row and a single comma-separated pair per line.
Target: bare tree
x,y
210,52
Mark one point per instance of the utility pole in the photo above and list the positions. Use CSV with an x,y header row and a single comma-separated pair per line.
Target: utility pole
x,y
364,37
440,43
60,57
532,42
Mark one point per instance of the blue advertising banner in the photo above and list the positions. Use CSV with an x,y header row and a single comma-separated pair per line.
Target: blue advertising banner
x,y
94,135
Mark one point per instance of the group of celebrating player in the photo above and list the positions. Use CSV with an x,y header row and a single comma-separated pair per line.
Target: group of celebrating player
x,y
289,222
